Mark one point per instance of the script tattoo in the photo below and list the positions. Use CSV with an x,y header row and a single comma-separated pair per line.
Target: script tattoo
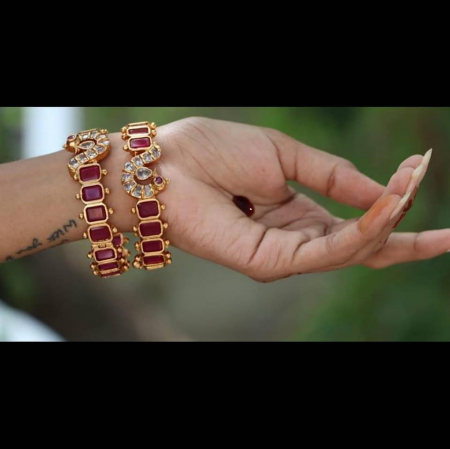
x,y
62,231
33,245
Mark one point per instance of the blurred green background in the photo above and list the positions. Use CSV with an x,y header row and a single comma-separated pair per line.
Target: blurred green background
x,y
197,300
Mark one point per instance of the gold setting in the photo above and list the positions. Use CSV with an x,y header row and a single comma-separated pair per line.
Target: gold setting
x,y
136,171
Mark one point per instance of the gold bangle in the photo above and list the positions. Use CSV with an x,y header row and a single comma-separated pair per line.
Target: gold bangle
x,y
110,257
151,247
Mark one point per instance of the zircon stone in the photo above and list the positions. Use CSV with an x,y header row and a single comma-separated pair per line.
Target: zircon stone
x,y
148,192
73,163
129,186
127,177
148,209
152,246
90,173
156,153
94,134
100,233
92,193
85,136
143,173
147,157
101,137
91,154
153,260
153,228
138,161
143,142
130,167
104,254
100,149
106,143
137,192
82,158
87,145
95,213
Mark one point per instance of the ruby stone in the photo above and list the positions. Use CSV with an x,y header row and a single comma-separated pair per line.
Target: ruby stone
x,y
92,193
139,131
100,233
153,260
105,254
90,173
95,213
148,209
151,228
143,142
108,266
152,246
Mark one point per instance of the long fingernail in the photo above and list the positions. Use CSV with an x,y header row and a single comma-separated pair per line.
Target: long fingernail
x,y
425,163
419,173
400,205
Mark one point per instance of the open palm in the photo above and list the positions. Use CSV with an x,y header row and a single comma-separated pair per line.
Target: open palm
x,y
210,162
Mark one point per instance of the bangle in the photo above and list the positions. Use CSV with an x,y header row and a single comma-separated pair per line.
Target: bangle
x,y
144,183
108,252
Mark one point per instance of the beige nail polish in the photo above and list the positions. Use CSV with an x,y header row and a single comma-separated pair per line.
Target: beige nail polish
x,y
401,205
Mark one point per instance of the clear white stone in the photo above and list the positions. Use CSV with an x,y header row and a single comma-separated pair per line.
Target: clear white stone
x,y
143,173
156,153
85,136
99,149
101,137
82,158
106,143
87,145
129,185
137,192
138,161
91,154
130,167
73,163
147,157
94,134
127,177
148,192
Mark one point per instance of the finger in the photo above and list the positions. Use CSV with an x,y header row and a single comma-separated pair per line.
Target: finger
x,y
410,246
328,174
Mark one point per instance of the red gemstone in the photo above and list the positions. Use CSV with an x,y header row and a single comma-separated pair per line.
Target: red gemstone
x,y
95,213
100,233
143,142
139,131
90,173
151,228
148,209
108,266
117,240
152,246
159,180
153,260
108,275
92,193
105,254
71,137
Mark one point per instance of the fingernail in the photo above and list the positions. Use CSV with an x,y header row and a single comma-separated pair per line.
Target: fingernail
x,y
419,173
400,205
425,163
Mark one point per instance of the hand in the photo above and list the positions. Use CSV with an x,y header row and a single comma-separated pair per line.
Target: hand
x,y
209,162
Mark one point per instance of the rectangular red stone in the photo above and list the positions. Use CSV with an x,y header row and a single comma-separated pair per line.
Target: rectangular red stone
x,y
95,213
151,228
153,260
143,142
104,254
143,130
100,233
92,193
148,209
152,246
108,266
89,173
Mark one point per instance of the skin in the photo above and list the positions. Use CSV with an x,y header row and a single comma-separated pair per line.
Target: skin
x,y
210,161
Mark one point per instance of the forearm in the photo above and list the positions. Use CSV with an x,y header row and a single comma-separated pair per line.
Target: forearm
x,y
39,209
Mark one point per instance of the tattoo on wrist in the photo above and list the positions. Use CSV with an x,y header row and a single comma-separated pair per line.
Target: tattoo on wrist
x,y
62,231
35,243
